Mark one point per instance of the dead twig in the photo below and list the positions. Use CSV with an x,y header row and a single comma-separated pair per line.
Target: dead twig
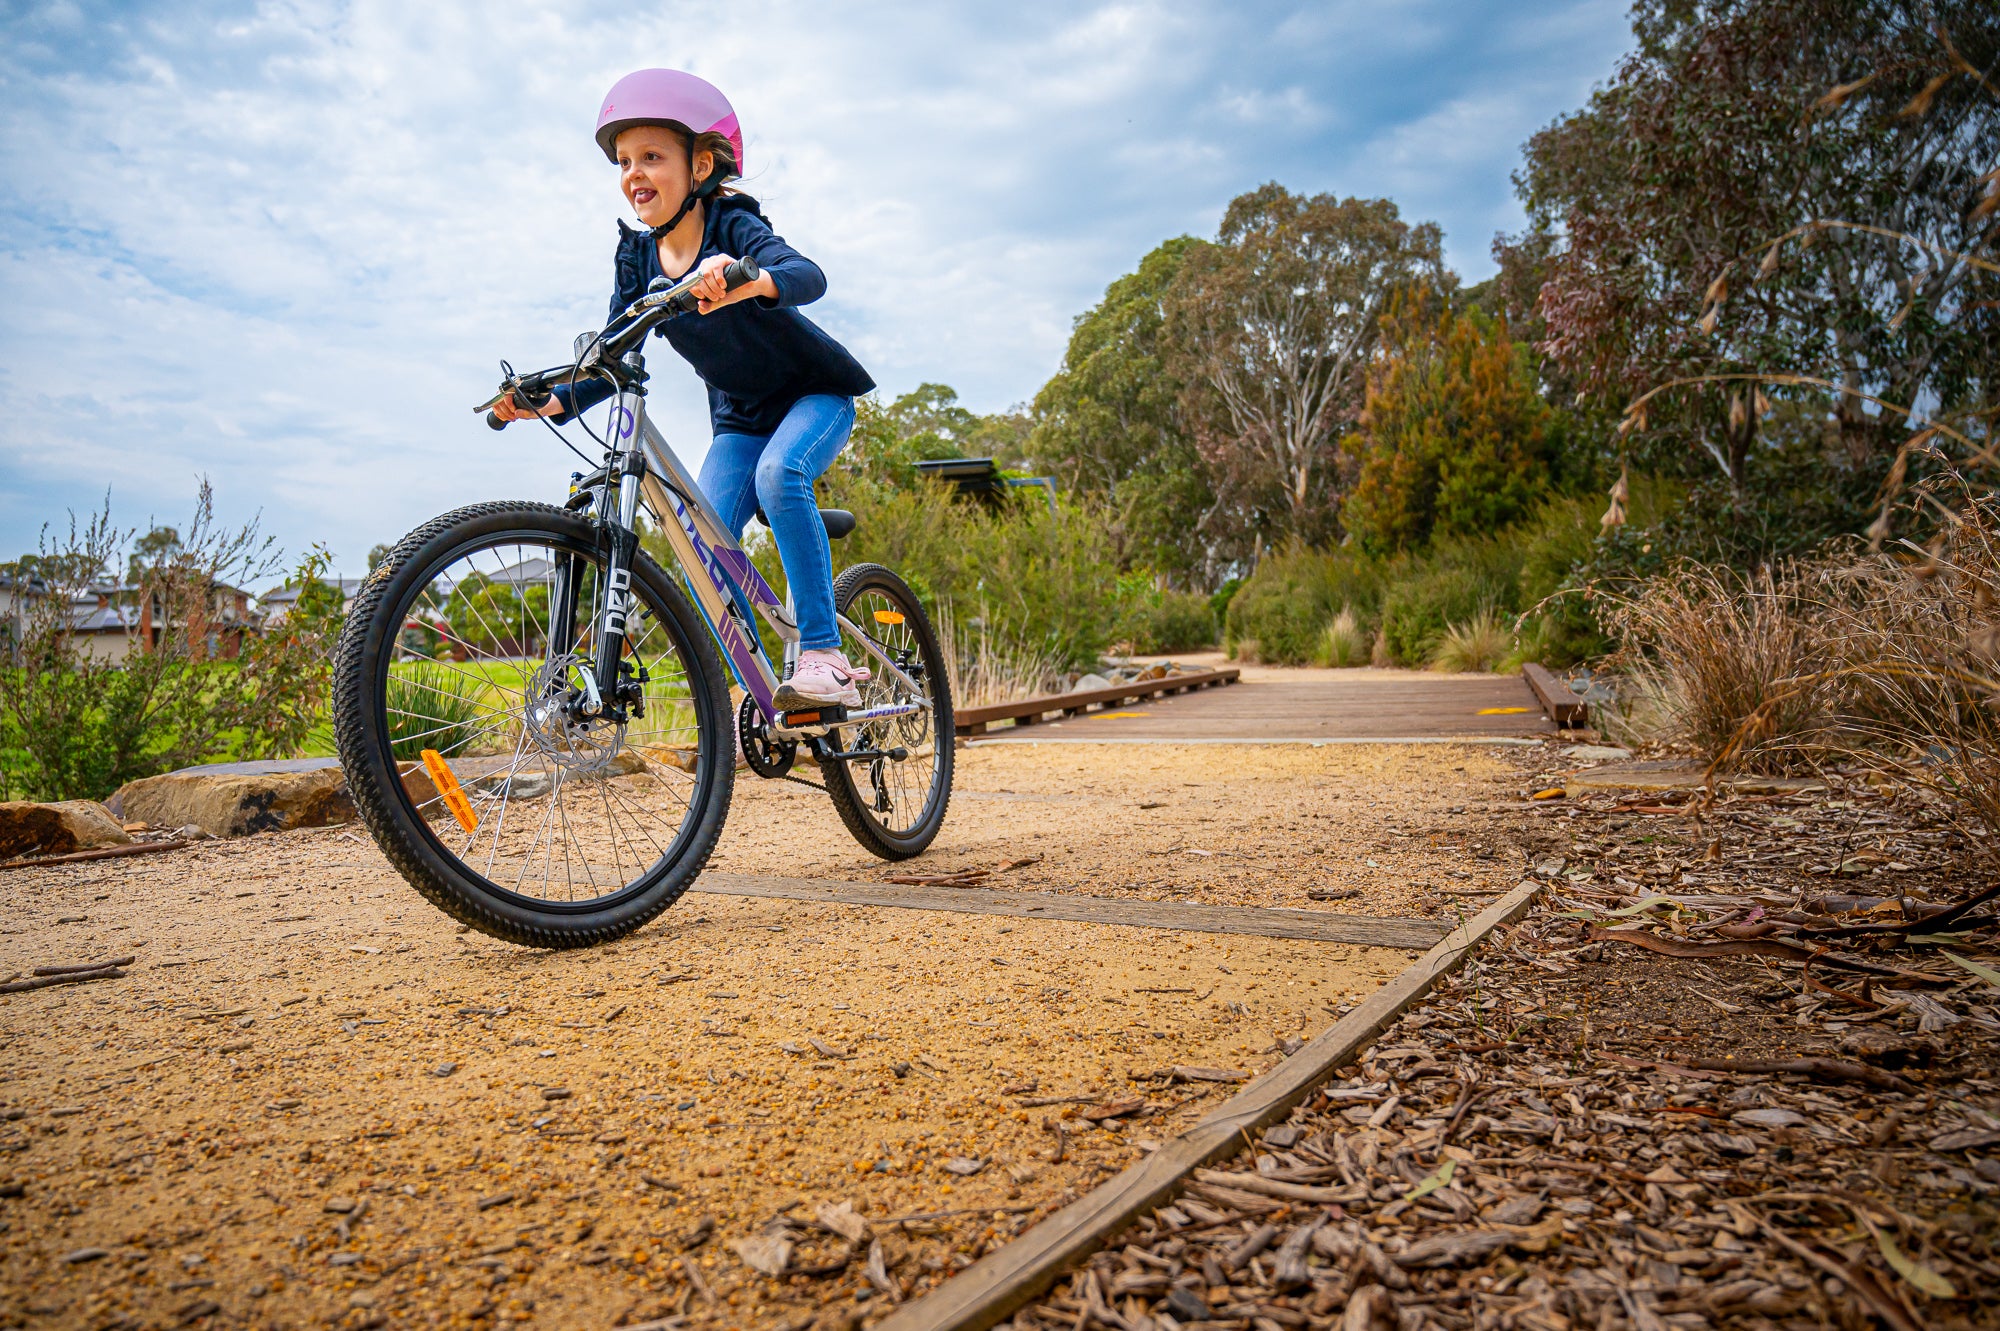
x,y
107,853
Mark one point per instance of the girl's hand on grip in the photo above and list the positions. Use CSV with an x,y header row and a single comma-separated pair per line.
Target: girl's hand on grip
x,y
713,289
509,409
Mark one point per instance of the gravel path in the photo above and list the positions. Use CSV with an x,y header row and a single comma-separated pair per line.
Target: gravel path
x,y
313,1102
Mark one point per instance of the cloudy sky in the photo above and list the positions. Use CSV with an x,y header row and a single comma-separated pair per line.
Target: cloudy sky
x,y
285,244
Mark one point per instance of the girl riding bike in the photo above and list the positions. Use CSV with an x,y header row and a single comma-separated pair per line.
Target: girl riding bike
x,y
780,391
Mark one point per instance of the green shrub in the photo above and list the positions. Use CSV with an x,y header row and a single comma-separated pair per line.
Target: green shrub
x,y
1218,604
1044,580
1155,620
77,725
1451,585
1286,605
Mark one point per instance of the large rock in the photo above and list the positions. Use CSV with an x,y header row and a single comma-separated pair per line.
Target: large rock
x,y
236,799
27,828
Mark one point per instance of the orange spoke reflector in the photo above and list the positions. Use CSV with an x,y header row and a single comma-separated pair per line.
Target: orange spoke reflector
x,y
454,794
1503,711
888,616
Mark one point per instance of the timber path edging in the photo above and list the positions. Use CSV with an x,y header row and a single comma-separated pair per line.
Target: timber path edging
x,y
994,1287
1028,711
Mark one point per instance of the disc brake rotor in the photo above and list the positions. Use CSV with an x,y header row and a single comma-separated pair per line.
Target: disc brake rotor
x,y
579,744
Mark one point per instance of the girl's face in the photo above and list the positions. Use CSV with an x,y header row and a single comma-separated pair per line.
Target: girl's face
x,y
653,171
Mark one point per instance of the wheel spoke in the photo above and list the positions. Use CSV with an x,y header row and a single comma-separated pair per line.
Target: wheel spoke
x,y
478,674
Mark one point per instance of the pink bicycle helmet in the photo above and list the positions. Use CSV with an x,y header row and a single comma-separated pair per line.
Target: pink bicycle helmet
x,y
672,98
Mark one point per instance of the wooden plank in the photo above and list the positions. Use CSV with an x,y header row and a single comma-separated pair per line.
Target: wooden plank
x,y
1310,925
992,1288
1028,710
1558,700
1316,705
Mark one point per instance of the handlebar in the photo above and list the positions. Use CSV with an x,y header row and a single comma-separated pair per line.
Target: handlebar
x,y
531,392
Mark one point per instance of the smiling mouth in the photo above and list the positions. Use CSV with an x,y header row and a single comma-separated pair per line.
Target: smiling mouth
x,y
644,195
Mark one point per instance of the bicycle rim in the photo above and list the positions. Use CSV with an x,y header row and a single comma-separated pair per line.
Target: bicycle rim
x,y
900,802
554,811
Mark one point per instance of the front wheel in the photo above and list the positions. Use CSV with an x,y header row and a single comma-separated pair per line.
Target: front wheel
x,y
475,751
893,806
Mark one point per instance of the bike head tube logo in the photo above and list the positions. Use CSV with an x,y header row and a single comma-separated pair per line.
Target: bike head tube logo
x,y
617,601
624,420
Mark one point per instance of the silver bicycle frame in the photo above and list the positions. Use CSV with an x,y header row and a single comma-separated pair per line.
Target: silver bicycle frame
x,y
728,585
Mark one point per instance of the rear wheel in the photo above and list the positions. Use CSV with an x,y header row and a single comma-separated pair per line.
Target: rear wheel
x,y
460,682
893,807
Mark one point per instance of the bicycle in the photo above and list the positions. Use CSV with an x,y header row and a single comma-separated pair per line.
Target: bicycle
x,y
533,714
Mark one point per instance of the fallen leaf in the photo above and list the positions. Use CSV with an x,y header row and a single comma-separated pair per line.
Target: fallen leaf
x,y
768,1254
1986,973
1433,1183
1770,1118
842,1220
1925,1279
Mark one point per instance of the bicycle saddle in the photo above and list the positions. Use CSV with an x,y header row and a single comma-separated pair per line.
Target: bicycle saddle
x,y
839,522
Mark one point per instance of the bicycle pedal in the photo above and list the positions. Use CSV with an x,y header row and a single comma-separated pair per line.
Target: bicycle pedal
x,y
832,714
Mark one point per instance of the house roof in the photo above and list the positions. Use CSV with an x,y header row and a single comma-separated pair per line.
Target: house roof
x,y
289,592
89,617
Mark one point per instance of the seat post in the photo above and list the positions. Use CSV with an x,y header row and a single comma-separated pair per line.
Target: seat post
x,y
792,643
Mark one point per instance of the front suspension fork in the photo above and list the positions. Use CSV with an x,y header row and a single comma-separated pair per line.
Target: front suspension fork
x,y
615,601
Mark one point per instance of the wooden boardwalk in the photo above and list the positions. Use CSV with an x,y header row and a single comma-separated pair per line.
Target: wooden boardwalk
x,y
1338,706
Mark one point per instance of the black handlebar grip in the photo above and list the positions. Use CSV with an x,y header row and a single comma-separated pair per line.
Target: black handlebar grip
x,y
736,273
524,399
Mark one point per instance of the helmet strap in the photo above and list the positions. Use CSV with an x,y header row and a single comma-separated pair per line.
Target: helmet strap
x,y
701,191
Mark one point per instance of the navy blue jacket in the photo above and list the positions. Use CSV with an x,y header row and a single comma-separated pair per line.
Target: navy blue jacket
x,y
758,356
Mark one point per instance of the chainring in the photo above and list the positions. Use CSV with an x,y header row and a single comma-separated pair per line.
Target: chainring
x,y
767,758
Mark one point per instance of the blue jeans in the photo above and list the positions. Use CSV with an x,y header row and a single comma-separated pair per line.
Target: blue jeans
x,y
776,471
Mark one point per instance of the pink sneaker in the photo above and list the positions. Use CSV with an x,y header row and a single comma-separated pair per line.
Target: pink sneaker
x,y
821,677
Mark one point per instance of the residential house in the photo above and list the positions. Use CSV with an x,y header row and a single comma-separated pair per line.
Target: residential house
x,y
115,619
275,604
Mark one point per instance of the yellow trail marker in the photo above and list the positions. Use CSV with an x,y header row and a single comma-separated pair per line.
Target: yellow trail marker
x,y
1118,716
888,616
1504,711
453,793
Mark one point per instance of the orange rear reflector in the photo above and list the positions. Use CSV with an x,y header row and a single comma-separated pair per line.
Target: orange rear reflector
x,y
453,793
888,616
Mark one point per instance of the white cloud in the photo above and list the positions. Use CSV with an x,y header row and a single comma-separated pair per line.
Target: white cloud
x,y
286,243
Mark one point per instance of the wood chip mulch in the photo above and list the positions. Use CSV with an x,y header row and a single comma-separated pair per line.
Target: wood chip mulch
x,y
1619,1116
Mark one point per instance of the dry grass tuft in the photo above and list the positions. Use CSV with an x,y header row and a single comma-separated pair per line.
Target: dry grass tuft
x,y
1345,643
986,668
1478,645
1731,663
1921,633
1888,661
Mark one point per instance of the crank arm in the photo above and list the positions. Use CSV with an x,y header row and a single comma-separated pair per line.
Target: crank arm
x,y
895,755
820,727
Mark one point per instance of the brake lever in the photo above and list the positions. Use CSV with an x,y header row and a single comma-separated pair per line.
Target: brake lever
x,y
529,391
